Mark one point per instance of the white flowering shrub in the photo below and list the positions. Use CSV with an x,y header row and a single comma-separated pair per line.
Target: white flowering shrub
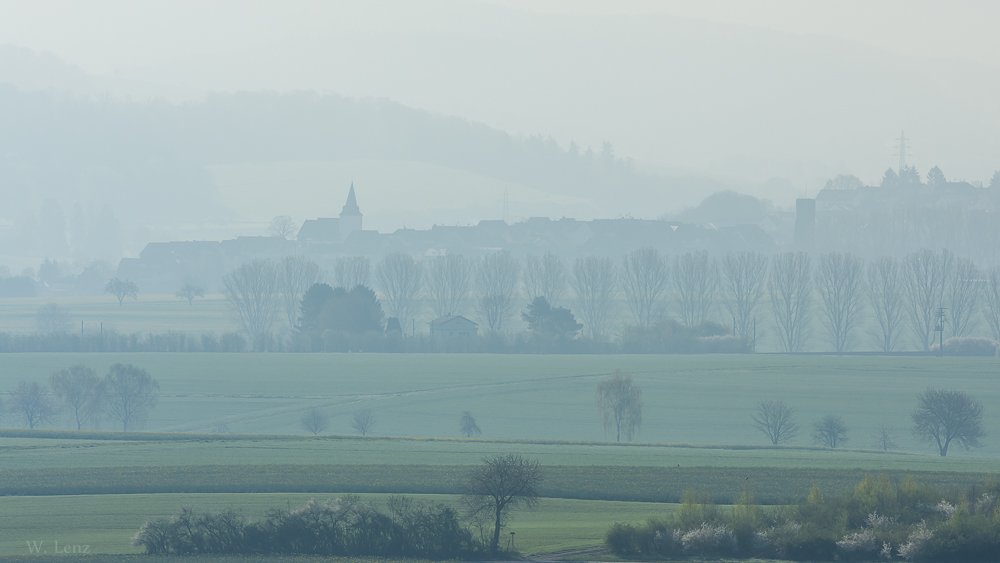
x,y
915,546
861,542
709,540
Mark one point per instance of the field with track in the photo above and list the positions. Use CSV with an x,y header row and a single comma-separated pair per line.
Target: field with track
x,y
687,399
696,434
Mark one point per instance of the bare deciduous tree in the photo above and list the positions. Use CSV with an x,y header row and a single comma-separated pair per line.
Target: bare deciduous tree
x,y
644,278
254,293
944,416
745,274
281,226
363,421
776,420
496,281
121,289
51,318
830,431
594,284
696,279
790,288
130,394
545,277
500,485
352,272
296,274
398,276
924,277
991,305
189,291
840,280
619,402
82,391
467,425
885,294
884,437
30,403
963,294
315,421
450,279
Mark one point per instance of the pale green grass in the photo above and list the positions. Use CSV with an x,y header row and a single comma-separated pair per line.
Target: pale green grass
x,y
148,313
107,522
691,399
29,453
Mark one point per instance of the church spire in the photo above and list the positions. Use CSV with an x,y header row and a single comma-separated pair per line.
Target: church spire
x,y
351,207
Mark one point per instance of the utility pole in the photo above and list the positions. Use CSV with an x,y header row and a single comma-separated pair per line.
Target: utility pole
x,y
940,330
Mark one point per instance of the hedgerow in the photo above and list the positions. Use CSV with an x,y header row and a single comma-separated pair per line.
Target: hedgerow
x,y
345,526
878,520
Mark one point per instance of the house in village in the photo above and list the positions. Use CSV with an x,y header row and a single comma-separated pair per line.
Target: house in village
x,y
453,326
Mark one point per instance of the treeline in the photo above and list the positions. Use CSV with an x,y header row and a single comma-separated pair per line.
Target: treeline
x,y
342,527
665,337
878,520
897,300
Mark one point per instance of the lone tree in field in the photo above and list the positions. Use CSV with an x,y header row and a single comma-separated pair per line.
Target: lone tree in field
x,y
315,421
363,421
830,431
944,416
776,420
884,437
81,391
130,393
468,425
189,292
500,485
30,403
619,401
121,289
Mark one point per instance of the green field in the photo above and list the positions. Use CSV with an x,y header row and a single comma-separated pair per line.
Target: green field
x,y
148,313
687,399
107,522
538,406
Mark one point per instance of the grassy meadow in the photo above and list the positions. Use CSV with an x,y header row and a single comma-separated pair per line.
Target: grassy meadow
x,y
148,313
96,488
107,522
687,399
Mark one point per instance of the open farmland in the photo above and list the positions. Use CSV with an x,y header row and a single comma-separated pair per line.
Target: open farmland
x,y
107,522
688,399
149,313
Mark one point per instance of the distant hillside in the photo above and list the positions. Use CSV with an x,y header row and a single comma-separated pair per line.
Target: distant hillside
x,y
148,160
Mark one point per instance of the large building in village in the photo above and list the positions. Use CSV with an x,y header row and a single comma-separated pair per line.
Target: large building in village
x,y
163,267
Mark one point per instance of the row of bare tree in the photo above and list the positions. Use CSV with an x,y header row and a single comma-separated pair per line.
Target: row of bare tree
x,y
897,294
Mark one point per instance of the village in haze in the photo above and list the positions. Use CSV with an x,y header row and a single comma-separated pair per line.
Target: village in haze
x,y
498,280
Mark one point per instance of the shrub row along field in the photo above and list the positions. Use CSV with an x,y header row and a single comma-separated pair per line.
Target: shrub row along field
x,y
693,399
643,484
107,522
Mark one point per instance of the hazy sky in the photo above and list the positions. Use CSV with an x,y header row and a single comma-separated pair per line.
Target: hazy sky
x,y
738,90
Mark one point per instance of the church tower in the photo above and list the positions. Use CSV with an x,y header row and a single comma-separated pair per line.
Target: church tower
x,y
350,216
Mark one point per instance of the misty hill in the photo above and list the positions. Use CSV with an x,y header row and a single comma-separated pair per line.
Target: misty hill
x,y
148,160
